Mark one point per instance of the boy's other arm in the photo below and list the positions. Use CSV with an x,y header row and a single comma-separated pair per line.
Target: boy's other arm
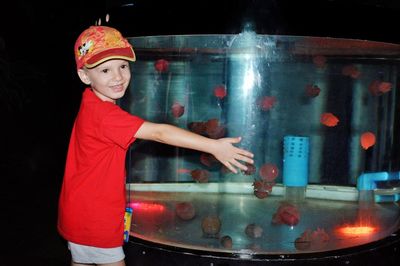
x,y
222,149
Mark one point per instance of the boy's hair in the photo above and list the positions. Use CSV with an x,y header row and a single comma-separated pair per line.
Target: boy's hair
x,y
98,44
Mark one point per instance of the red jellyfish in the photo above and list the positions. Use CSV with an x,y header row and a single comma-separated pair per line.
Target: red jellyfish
x,y
351,71
251,169
319,238
303,242
220,91
312,90
177,110
226,241
377,87
214,130
197,127
211,225
385,86
315,240
269,172
200,175
161,65
208,159
373,88
262,188
267,102
367,140
286,214
319,61
185,210
253,230
329,119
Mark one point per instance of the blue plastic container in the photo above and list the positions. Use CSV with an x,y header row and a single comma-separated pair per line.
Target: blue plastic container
x,y
295,161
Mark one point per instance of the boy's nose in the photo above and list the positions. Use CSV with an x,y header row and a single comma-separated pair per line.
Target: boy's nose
x,y
117,75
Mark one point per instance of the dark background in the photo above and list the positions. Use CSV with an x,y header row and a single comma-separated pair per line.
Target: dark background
x,y
40,92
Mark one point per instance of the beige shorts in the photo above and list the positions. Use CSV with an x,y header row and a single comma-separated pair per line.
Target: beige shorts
x,y
89,254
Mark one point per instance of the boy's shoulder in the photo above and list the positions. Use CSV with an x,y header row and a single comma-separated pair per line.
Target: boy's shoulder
x,y
95,106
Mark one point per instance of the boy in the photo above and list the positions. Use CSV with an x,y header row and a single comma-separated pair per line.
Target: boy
x,y
92,199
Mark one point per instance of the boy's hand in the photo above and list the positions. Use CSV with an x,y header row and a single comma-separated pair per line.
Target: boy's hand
x,y
229,155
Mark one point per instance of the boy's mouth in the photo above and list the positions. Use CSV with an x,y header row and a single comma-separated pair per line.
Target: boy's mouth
x,y
117,88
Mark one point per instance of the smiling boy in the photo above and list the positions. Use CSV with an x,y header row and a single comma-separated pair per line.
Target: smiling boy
x,y
92,199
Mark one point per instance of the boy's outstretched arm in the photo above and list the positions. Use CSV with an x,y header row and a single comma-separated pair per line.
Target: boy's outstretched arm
x,y
222,149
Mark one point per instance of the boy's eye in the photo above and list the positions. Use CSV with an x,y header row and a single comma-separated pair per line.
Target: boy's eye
x,y
105,71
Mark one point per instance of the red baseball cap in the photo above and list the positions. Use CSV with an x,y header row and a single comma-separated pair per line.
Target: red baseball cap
x,y
98,44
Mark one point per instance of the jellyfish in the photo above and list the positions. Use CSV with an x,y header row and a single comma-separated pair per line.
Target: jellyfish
x,y
226,241
185,210
211,225
286,214
253,230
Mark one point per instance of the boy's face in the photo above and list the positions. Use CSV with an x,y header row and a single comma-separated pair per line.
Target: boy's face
x,y
108,80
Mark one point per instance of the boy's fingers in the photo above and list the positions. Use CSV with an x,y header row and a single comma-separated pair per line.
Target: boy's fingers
x,y
246,153
236,140
245,159
231,168
238,165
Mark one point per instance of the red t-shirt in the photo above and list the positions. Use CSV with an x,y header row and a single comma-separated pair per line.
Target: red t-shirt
x,y
92,200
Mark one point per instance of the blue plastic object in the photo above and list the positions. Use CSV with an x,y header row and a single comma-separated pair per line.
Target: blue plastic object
x,y
295,161
369,181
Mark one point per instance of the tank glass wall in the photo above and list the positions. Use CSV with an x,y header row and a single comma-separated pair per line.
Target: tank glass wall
x,y
339,96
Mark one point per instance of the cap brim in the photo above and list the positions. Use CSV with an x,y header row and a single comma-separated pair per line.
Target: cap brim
x,y
126,53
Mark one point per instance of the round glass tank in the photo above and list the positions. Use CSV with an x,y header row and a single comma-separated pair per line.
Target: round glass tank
x,y
320,115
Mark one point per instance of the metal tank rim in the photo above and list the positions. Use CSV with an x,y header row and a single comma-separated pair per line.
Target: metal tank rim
x,y
358,255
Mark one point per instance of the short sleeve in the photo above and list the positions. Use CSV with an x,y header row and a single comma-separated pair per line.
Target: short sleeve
x,y
120,127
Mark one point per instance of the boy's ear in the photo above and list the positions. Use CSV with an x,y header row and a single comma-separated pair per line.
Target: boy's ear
x,y
83,76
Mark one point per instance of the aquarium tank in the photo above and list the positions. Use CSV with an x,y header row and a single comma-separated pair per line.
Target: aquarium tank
x,y
320,115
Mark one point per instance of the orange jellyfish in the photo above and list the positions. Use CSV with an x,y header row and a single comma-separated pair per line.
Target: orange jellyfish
x,y
177,110
161,65
220,91
377,87
385,86
367,140
329,119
